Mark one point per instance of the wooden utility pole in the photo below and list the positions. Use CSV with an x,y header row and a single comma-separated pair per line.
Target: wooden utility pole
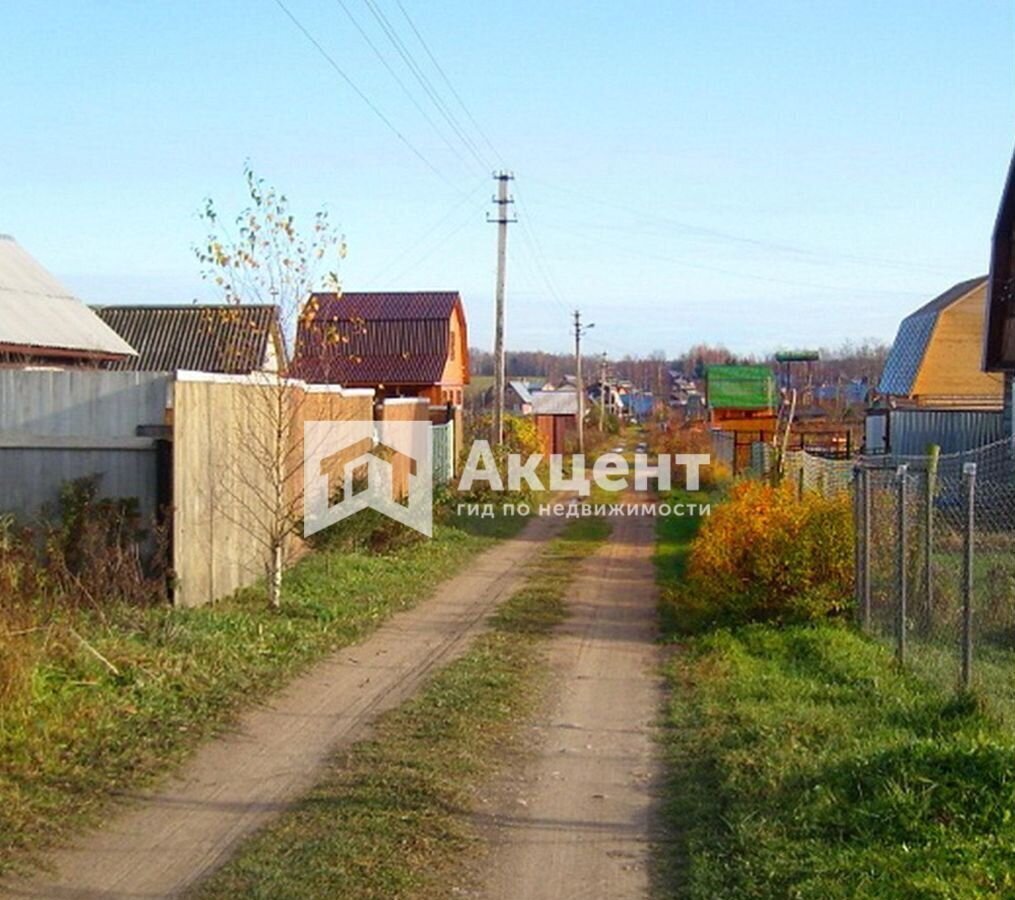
x,y
602,393
579,330
503,219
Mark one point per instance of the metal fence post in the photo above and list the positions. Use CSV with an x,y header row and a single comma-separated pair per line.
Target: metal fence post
x,y
969,485
858,543
901,568
928,536
864,504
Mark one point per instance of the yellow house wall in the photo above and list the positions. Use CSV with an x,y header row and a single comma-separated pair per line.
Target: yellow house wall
x,y
951,365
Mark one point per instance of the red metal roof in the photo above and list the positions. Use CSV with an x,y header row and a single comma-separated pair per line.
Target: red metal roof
x,y
376,338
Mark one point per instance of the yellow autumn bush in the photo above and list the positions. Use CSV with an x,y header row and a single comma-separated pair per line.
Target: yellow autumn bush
x,y
765,554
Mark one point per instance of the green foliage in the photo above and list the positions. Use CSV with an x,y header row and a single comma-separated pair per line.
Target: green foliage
x,y
804,764
764,554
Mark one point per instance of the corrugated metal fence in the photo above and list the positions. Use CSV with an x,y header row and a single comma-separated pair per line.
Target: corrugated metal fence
x,y
443,437
57,426
909,432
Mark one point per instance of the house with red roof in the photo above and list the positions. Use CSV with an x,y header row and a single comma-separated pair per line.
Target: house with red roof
x,y
401,344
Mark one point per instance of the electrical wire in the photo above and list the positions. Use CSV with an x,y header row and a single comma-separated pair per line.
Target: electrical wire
x,y
419,241
818,255
424,82
355,88
412,98
447,81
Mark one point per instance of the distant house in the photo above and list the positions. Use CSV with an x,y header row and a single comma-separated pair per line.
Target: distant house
x,y
406,344
999,338
740,392
936,359
229,340
518,398
556,417
42,323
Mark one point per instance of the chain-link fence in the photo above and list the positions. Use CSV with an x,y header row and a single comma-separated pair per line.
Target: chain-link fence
x,y
804,470
936,565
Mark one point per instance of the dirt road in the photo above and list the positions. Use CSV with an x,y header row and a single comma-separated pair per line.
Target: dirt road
x,y
577,821
170,839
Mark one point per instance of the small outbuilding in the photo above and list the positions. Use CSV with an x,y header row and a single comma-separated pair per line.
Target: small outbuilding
x,y
556,417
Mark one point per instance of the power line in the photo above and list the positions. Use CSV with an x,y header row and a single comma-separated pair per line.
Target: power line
x,y
391,263
447,81
537,252
716,234
376,110
419,260
412,98
424,82
735,273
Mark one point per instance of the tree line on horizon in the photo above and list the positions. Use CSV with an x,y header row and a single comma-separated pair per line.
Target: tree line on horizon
x,y
849,361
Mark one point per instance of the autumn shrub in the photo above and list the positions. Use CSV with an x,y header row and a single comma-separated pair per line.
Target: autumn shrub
x,y
764,554
673,438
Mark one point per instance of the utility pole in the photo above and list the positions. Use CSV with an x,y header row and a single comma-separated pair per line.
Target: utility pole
x,y
602,393
580,330
503,219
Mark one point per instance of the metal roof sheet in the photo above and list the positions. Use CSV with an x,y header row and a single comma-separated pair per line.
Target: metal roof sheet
x,y
37,311
522,390
376,338
555,403
217,338
740,387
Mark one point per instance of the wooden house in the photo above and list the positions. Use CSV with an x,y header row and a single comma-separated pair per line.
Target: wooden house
x,y
936,358
43,324
405,344
224,339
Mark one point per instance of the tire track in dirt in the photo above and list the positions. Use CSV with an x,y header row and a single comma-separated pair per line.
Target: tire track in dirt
x,y
171,838
578,819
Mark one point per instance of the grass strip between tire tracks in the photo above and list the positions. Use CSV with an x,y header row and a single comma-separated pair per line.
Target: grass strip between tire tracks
x,y
391,816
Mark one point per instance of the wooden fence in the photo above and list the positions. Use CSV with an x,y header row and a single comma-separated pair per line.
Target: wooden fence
x,y
196,445
224,429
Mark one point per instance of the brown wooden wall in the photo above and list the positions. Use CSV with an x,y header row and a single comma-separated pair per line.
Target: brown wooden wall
x,y
951,368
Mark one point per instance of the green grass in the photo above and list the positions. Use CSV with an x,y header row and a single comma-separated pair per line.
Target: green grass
x,y
674,535
391,816
81,732
802,763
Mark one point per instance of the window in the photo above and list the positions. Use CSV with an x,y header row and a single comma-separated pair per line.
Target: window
x,y
451,355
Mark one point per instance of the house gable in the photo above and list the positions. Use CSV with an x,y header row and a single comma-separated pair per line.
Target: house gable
x,y
951,364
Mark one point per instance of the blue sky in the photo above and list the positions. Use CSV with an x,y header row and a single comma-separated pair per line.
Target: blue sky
x,y
763,174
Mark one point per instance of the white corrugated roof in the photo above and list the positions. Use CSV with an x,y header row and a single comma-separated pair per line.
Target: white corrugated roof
x,y
555,403
37,311
522,390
